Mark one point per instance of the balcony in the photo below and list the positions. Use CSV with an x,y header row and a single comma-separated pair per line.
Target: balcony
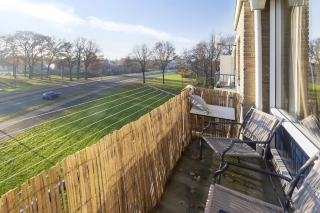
x,y
132,169
226,81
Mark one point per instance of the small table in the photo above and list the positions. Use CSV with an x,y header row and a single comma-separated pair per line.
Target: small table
x,y
216,111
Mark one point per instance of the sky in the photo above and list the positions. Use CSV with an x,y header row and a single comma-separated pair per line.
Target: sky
x,y
118,25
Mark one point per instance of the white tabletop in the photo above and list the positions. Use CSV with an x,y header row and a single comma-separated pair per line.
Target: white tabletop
x,y
216,111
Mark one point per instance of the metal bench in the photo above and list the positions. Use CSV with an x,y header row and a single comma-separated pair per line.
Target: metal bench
x,y
258,127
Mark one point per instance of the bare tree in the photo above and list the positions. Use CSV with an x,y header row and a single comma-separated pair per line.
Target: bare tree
x,y
10,52
163,54
43,48
79,45
183,68
227,44
90,54
200,59
142,56
2,50
104,66
69,53
192,62
23,38
54,49
30,42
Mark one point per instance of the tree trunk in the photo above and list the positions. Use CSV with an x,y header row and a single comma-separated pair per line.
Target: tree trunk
x,y
70,71
25,67
162,76
30,72
47,75
205,80
143,76
78,70
211,74
41,67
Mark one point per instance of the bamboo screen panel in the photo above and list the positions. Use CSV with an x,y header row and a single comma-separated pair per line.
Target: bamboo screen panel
x,y
125,171
219,98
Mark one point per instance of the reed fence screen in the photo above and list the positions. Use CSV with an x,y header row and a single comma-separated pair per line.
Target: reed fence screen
x,y
219,98
125,171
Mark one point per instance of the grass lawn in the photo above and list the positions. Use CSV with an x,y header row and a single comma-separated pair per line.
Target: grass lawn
x,y
41,147
21,83
172,82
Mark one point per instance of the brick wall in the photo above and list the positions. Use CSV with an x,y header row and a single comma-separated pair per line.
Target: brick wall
x,y
245,33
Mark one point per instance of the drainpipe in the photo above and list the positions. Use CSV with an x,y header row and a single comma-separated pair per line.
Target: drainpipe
x,y
257,6
258,58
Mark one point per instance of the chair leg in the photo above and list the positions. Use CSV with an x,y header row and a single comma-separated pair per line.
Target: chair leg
x,y
200,157
220,166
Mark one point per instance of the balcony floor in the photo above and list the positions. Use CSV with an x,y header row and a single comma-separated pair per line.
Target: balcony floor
x,y
188,187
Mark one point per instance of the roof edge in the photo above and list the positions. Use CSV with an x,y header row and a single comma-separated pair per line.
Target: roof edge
x,y
237,13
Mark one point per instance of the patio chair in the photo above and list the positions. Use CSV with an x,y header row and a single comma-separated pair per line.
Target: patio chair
x,y
306,199
312,123
259,127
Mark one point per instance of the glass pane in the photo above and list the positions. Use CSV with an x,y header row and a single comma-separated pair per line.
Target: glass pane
x,y
300,63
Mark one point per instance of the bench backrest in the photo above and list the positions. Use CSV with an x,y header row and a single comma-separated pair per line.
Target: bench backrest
x,y
312,123
258,125
307,198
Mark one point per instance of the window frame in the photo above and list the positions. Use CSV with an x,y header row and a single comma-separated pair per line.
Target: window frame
x,y
305,140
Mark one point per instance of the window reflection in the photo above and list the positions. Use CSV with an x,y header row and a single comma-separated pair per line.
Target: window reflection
x,y
300,63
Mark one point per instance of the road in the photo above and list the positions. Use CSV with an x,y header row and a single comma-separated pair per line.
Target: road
x,y
18,101
22,100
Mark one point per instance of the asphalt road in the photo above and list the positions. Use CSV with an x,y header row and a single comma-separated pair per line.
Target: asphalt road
x,y
19,101
14,102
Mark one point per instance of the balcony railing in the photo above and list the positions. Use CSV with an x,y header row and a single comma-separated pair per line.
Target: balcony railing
x,y
125,171
224,80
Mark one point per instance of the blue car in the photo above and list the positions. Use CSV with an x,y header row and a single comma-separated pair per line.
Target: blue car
x,y
50,95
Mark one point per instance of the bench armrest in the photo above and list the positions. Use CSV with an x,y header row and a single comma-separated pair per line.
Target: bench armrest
x,y
243,141
223,169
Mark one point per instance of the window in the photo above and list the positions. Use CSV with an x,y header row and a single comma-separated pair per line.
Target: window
x,y
298,62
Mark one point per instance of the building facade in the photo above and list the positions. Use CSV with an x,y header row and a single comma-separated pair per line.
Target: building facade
x,y
284,60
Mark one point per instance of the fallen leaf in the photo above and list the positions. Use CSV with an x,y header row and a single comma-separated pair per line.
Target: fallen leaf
x,y
194,187
191,192
229,178
197,178
260,189
203,160
194,157
193,205
204,184
192,173
212,170
182,201
180,170
245,185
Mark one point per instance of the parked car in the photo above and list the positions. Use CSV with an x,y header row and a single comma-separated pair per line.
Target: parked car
x,y
50,95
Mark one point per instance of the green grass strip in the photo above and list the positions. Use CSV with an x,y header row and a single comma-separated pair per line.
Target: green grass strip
x,y
22,159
